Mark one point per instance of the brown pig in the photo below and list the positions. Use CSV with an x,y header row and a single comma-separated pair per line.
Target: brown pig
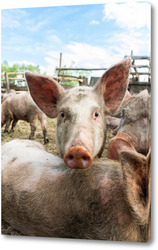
x,y
21,107
114,121
80,111
41,196
134,128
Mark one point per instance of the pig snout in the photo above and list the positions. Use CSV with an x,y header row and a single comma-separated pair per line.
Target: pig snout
x,y
78,157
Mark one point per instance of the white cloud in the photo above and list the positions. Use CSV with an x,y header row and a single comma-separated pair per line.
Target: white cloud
x,y
12,18
37,26
33,26
124,42
11,63
91,56
51,61
128,15
119,45
84,55
94,22
19,18
54,39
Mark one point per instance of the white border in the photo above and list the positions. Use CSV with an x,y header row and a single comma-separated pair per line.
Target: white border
x,y
18,243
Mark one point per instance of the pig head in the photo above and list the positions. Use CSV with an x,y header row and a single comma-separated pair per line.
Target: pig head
x,y
80,111
134,129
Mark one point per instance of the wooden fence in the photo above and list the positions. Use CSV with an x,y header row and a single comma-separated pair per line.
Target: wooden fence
x,y
135,85
5,77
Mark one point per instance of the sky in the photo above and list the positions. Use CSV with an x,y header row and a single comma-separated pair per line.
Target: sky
x,y
92,35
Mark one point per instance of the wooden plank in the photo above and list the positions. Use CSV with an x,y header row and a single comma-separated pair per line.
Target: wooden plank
x,y
93,69
55,77
140,73
86,69
16,73
140,58
15,78
69,76
140,66
67,79
139,83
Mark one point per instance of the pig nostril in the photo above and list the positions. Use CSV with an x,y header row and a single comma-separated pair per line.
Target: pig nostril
x,y
71,157
85,158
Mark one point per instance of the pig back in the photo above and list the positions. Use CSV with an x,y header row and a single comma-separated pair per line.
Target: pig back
x,y
42,197
22,107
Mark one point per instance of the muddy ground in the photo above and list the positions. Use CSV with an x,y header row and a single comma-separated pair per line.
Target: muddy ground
x,y
22,131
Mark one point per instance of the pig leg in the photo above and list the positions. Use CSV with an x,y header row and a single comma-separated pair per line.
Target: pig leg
x,y
13,125
43,126
7,125
33,129
46,140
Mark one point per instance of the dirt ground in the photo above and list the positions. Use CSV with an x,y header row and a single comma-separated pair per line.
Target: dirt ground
x,y
22,131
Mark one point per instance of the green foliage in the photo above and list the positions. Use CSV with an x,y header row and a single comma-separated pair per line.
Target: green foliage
x,y
5,67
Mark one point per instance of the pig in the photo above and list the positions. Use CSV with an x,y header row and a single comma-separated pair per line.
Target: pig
x,y
134,129
114,120
21,107
4,96
80,111
41,196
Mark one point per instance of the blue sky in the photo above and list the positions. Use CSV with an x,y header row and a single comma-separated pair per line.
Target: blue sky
x,y
93,35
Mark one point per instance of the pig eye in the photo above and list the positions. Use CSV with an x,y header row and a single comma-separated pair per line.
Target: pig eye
x,y
62,114
96,114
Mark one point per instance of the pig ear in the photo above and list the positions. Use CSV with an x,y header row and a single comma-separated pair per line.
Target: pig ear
x,y
45,92
119,143
113,85
136,173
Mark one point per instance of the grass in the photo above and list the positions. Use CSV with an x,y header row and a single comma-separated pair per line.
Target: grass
x,y
22,131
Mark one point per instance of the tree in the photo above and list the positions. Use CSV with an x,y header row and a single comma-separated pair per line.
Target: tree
x,y
19,68
5,67
30,67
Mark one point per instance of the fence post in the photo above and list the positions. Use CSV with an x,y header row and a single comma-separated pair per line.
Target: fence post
x,y
85,82
60,64
7,82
